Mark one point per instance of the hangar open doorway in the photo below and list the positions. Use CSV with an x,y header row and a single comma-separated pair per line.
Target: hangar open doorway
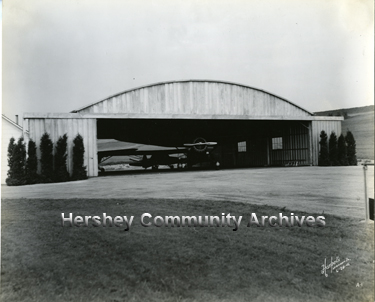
x,y
240,143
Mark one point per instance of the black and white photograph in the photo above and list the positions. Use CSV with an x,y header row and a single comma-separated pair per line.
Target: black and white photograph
x,y
187,150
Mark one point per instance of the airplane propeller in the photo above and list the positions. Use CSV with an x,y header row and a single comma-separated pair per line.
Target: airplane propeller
x,y
200,145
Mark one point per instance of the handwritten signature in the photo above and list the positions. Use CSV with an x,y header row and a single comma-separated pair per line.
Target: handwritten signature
x,y
336,265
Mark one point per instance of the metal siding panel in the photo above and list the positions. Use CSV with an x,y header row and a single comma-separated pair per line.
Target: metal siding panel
x,y
328,127
195,101
172,98
205,98
227,101
220,104
197,97
167,104
201,98
125,103
216,99
161,99
60,128
118,105
114,105
50,128
210,101
129,103
177,91
184,97
149,101
32,130
267,104
234,96
110,105
247,98
193,106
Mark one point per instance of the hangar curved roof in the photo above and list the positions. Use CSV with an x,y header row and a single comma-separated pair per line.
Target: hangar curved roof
x,y
196,98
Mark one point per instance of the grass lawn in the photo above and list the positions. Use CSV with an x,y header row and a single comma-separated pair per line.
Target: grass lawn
x,y
43,261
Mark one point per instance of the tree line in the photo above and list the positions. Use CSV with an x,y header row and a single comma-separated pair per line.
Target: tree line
x,y
23,168
337,152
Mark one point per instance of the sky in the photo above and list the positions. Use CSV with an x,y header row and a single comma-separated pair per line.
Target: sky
x,y
61,55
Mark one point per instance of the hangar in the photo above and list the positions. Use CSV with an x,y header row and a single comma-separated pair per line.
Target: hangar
x,y
252,127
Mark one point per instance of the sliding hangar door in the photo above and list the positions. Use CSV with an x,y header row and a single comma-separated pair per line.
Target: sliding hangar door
x,y
252,127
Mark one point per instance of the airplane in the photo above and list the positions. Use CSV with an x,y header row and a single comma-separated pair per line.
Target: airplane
x,y
194,138
186,156
175,132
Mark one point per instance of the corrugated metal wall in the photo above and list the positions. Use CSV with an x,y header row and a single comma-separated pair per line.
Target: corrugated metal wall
x,y
197,97
58,127
317,127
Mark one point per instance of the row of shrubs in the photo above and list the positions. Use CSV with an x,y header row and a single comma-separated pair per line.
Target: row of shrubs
x,y
337,152
23,168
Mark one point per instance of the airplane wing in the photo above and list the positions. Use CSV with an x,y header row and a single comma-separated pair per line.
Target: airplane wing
x,y
111,147
150,151
117,152
201,144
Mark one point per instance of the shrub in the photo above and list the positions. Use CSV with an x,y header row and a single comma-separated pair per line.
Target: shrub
x,y
32,176
323,153
61,172
10,157
341,151
18,159
46,158
79,171
351,149
333,153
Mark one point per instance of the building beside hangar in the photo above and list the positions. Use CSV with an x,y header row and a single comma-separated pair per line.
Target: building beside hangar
x,y
252,127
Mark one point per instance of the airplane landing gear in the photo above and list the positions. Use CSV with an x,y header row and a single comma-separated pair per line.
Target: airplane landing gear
x,y
217,165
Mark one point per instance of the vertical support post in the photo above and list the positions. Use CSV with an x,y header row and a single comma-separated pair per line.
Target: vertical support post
x,y
95,145
366,201
310,144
